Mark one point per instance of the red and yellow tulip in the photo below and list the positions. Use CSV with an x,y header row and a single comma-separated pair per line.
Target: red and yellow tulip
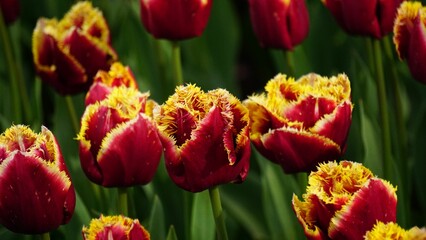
x,y
36,193
298,124
205,137
344,201
68,53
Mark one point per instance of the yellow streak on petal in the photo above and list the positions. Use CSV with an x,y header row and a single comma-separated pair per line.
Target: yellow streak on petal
x,y
98,225
388,230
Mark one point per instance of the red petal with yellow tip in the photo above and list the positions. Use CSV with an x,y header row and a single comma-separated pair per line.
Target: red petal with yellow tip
x,y
124,164
32,195
417,51
375,201
298,151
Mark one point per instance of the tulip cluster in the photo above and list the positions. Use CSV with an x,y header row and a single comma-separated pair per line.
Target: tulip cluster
x,y
312,113
344,201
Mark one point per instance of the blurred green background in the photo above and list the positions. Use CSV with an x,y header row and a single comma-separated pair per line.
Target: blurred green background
x,y
226,56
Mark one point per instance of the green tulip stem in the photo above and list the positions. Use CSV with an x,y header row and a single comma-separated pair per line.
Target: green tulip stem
x,y
218,213
5,39
122,201
288,55
177,65
383,108
73,114
45,236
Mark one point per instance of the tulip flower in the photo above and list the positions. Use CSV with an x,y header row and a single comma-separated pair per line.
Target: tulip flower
x,y
344,201
373,18
279,24
68,53
298,124
10,10
104,82
175,19
119,142
392,230
115,227
409,37
205,136
36,193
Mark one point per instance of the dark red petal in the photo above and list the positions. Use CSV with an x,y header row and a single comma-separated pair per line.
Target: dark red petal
x,y
336,125
298,151
32,195
387,15
88,162
87,53
137,232
416,51
131,154
174,19
375,201
97,92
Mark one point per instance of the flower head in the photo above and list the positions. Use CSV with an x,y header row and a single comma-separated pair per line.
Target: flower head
x,y
175,19
373,18
10,10
410,39
119,142
104,82
292,116
36,193
68,53
343,201
279,24
205,138
115,227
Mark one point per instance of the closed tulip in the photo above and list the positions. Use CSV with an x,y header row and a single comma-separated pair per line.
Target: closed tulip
x,y
279,24
298,124
119,142
409,37
36,193
344,201
104,82
68,53
10,10
175,19
205,137
372,18
115,227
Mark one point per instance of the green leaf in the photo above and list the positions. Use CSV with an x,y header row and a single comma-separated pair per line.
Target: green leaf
x,y
172,233
202,221
156,225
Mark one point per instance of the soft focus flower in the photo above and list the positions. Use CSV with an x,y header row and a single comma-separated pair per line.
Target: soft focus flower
x,y
279,24
205,137
68,54
298,124
410,38
373,18
119,142
104,82
36,193
392,231
10,10
175,19
344,201
115,227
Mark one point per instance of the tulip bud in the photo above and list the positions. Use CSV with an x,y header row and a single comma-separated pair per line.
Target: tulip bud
x,y
10,10
312,113
409,37
119,142
279,24
373,18
344,201
205,138
36,193
68,54
175,19
115,227
104,82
